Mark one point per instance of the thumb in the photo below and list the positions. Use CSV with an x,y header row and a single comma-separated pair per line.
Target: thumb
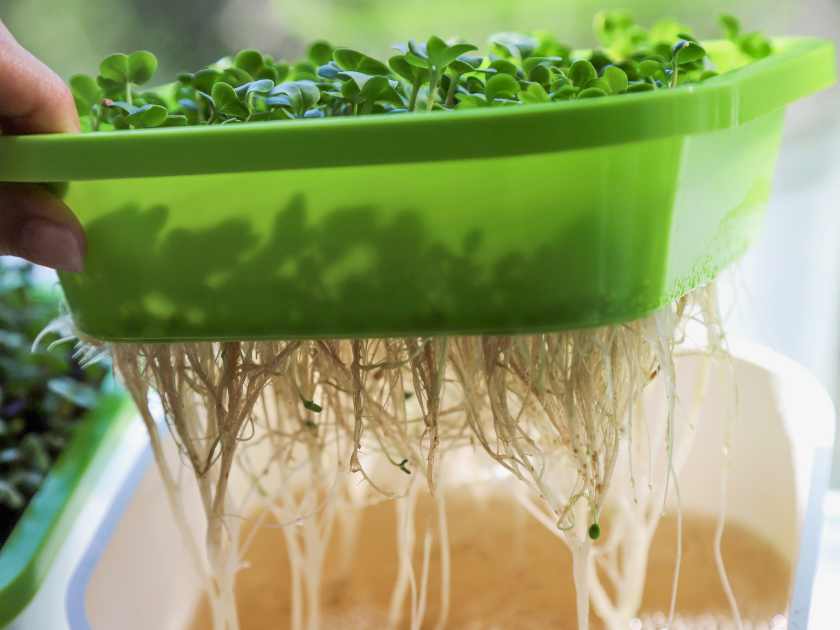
x,y
38,226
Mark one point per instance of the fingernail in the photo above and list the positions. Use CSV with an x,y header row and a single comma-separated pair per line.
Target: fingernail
x,y
51,245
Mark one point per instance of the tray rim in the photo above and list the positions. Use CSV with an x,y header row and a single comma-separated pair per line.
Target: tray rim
x,y
802,66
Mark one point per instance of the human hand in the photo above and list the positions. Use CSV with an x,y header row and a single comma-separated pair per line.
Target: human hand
x,y
34,223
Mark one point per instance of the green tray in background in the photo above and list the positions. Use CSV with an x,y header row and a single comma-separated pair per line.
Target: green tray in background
x,y
29,551
508,220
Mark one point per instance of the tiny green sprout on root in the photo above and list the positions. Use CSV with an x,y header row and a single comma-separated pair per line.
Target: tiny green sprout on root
x,y
594,529
518,69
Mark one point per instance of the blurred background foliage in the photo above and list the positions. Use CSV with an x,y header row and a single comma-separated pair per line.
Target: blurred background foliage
x,y
71,36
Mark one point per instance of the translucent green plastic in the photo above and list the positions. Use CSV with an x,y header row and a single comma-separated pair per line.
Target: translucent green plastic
x,y
30,549
509,220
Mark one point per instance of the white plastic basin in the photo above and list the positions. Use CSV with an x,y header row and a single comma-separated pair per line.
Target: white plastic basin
x,y
136,575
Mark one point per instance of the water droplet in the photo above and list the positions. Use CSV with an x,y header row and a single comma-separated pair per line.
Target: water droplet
x,y
636,624
632,483
299,522
650,488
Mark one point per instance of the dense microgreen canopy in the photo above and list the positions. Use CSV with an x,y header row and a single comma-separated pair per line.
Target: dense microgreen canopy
x,y
434,75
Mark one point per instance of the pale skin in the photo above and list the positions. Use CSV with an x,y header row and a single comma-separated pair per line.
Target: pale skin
x,y
34,223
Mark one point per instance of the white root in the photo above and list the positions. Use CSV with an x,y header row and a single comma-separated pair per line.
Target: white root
x,y
552,410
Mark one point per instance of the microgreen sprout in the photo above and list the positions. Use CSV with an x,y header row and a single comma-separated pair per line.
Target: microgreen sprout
x,y
518,69
118,72
685,51
437,55
594,529
400,465
754,45
455,70
310,405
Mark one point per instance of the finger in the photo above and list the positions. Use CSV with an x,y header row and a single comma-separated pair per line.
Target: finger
x,y
33,99
38,226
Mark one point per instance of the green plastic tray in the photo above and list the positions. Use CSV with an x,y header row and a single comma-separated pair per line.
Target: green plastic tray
x,y
30,549
508,220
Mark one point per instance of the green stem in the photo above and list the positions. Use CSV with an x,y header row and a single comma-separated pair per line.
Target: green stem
x,y
415,87
400,465
128,97
199,105
249,103
450,94
433,83
368,107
